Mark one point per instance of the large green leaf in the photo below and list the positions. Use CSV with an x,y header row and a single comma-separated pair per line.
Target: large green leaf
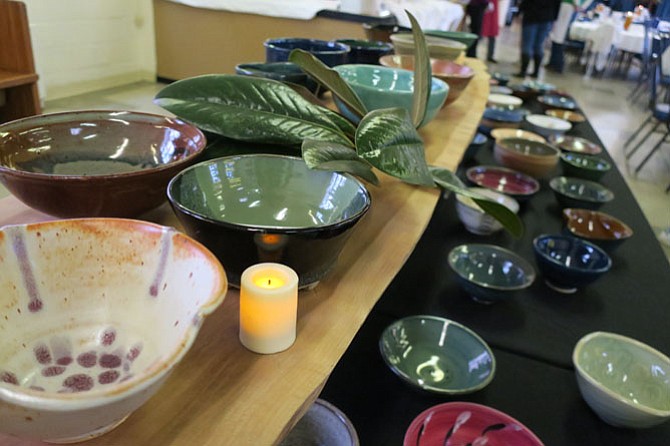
x,y
330,156
329,78
249,108
387,139
446,179
422,73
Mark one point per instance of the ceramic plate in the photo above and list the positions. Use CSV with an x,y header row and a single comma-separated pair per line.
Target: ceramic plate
x,y
575,144
507,181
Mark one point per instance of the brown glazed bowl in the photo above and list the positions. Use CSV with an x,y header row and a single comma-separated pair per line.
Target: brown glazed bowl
x,y
531,157
95,163
597,227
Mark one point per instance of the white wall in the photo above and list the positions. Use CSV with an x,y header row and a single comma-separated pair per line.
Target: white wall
x,y
87,45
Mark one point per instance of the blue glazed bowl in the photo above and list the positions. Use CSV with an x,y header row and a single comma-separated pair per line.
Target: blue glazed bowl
x,y
437,355
250,209
385,87
330,53
578,193
278,71
366,51
569,263
495,118
489,273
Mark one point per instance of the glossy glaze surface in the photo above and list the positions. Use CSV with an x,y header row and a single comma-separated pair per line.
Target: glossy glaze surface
x,y
438,47
576,192
322,424
366,51
501,179
575,144
437,355
506,101
547,125
584,166
330,53
534,158
602,229
570,116
516,133
557,101
474,218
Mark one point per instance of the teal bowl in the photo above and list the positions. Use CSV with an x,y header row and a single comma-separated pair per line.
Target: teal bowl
x,y
588,167
250,209
573,192
437,355
467,39
385,87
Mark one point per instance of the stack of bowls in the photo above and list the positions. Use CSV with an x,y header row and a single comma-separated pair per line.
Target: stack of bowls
x,y
438,47
535,158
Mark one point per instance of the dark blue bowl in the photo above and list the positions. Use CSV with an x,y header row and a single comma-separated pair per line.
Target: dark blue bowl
x,y
569,263
330,53
366,51
278,71
501,115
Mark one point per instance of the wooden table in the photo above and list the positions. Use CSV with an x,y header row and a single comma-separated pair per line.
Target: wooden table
x,y
222,393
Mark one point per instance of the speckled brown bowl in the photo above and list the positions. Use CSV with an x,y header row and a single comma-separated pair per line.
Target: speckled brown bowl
x,y
600,228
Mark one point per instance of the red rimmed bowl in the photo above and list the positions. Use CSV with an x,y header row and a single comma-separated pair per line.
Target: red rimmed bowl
x,y
501,179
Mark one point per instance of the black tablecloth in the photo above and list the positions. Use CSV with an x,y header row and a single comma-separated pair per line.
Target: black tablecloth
x,y
532,334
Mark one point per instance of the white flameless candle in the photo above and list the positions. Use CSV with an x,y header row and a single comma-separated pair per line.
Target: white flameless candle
x,y
268,307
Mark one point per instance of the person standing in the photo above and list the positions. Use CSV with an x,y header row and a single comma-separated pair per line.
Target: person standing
x,y
559,32
475,10
491,28
536,21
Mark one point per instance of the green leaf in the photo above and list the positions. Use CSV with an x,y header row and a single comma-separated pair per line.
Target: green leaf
x,y
422,73
330,156
328,78
387,139
447,180
249,108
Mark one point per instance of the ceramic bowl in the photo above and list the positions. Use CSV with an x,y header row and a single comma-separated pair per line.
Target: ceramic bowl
x,y
438,47
499,89
504,101
366,51
495,118
489,273
501,179
269,208
384,87
330,53
278,71
547,125
381,32
575,144
625,382
475,219
570,116
467,39
588,167
600,228
536,159
322,424
95,163
457,76
78,354
502,79
437,355
539,86
569,263
462,423
573,192
549,101
516,133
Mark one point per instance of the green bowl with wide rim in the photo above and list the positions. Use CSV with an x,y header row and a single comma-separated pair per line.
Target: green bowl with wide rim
x,y
589,167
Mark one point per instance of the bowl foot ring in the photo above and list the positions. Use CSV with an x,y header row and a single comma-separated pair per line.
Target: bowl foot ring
x,y
561,289
89,435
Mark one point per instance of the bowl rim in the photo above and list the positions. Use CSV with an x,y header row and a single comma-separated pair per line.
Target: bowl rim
x,y
544,99
519,261
383,60
431,40
574,239
105,176
490,168
503,144
579,346
428,387
497,97
505,199
62,402
533,118
529,135
338,47
609,195
286,230
566,157
560,139
569,212
438,86
578,117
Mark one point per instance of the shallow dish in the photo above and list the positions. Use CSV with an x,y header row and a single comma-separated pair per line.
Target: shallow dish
x,y
78,354
584,166
269,208
547,126
516,133
278,71
322,424
469,424
504,101
624,381
438,47
600,228
330,53
569,263
570,116
366,51
474,218
549,101
95,163
489,273
467,39
578,193
534,158
501,179
437,355
575,144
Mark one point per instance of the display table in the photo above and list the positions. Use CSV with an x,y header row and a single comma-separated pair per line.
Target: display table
x,y
222,393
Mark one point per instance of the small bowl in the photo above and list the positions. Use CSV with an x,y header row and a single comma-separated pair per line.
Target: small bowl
x,y
539,86
323,423
547,125
504,101
250,209
578,193
366,51
384,87
502,78
475,219
489,273
600,228
495,118
499,89
537,159
455,75
516,133
437,355
570,116
330,53
575,144
278,71
501,179
95,163
549,101
438,47
467,39
97,314
469,424
588,167
624,381
569,263
381,32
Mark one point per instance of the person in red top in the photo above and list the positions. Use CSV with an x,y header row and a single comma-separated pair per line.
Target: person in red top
x,y
491,28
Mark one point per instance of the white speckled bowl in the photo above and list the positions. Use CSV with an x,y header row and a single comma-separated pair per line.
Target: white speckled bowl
x,y
548,125
96,314
475,219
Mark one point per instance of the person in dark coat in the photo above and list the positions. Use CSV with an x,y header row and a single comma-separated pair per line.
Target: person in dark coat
x,y
536,21
475,11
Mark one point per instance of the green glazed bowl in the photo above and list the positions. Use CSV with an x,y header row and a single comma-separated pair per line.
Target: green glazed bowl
x,y
385,87
438,47
467,39
437,355
584,166
269,208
